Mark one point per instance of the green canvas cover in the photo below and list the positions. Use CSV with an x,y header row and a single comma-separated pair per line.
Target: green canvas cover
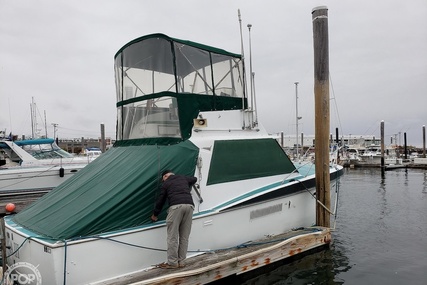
x,y
118,190
234,160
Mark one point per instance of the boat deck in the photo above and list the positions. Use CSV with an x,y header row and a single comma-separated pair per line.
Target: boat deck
x,y
209,267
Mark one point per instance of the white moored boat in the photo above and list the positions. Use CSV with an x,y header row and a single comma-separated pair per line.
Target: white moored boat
x,y
181,105
35,166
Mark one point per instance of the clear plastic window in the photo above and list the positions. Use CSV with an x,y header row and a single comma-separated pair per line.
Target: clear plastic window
x,y
151,118
147,69
155,65
46,151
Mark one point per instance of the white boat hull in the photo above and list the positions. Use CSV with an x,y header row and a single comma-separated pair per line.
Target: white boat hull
x,y
124,252
42,178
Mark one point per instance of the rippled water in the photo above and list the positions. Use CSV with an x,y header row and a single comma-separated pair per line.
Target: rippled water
x,y
380,235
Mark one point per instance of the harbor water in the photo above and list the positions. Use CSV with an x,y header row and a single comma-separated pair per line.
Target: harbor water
x,y
380,235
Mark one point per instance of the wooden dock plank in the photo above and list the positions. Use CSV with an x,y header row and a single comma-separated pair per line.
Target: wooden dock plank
x,y
209,267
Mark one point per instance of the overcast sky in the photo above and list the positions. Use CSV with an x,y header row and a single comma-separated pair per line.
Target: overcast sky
x,y
61,54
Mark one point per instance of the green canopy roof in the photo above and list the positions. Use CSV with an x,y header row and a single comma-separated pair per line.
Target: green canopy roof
x,y
116,191
134,50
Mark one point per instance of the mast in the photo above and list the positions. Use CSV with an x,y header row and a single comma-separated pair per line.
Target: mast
x,y
251,74
244,76
296,117
255,108
322,116
33,119
250,66
45,123
253,96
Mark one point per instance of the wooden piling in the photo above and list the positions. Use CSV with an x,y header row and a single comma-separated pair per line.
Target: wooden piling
x,y
302,144
282,141
405,145
382,146
322,116
3,245
424,141
103,146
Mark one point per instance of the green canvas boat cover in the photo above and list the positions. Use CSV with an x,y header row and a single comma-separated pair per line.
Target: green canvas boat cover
x,y
234,160
118,190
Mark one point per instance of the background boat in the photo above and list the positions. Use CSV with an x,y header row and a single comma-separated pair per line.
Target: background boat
x,y
34,167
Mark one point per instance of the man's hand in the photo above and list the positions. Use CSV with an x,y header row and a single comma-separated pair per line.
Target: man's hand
x,y
154,218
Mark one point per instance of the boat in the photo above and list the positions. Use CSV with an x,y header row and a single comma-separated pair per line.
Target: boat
x,y
36,152
34,167
92,152
371,155
352,155
359,155
392,166
181,105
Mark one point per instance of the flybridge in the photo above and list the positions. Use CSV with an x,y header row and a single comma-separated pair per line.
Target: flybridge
x,y
163,83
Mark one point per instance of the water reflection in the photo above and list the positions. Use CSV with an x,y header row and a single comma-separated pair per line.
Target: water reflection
x,y
381,228
424,183
319,267
406,181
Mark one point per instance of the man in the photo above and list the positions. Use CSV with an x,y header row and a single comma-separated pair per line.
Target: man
x,y
177,190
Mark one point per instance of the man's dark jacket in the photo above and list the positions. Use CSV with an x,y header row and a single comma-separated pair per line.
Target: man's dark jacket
x,y
177,190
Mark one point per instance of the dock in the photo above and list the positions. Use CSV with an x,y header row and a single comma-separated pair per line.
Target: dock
x,y
20,199
387,166
216,265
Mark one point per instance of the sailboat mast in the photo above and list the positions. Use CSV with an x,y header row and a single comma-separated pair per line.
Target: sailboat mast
x,y
33,119
296,117
45,123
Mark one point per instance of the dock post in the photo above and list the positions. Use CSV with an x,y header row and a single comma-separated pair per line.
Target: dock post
x,y
302,144
282,141
322,116
3,244
382,147
103,138
405,145
337,140
424,141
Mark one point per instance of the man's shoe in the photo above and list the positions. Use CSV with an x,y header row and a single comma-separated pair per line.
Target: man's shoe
x,y
167,266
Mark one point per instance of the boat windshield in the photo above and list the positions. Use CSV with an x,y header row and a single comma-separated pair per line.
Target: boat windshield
x,y
46,151
154,72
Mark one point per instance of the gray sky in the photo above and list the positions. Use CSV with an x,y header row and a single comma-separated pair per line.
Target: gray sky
x,y
61,53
